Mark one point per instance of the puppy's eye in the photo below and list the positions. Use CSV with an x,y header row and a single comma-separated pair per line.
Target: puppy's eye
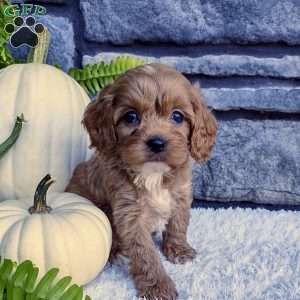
x,y
177,116
132,117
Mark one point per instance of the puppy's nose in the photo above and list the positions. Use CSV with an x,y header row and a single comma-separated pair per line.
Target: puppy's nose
x,y
156,144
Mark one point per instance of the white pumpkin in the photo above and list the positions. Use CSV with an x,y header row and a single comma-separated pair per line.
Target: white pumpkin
x,y
53,140
71,233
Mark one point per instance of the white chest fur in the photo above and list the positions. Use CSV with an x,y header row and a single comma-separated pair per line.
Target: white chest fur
x,y
158,199
160,204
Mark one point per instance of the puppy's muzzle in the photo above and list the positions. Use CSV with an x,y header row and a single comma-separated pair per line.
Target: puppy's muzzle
x,y
156,144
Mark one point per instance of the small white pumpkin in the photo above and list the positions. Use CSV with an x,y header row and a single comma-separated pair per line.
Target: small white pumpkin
x,y
71,233
53,140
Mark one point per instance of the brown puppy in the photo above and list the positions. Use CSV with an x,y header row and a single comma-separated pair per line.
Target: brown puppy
x,y
145,127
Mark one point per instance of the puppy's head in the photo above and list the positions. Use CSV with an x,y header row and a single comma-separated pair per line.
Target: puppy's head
x,y
151,115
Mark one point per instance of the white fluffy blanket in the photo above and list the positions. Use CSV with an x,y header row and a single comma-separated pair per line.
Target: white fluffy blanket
x,y
242,254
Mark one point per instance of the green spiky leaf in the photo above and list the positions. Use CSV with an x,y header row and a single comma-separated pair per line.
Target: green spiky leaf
x,y
6,57
58,289
95,77
45,284
19,282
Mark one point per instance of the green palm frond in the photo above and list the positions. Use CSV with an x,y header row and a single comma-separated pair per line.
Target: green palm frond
x,y
95,77
19,282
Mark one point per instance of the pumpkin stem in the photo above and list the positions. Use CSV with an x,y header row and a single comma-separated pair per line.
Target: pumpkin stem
x,y
40,52
40,203
9,142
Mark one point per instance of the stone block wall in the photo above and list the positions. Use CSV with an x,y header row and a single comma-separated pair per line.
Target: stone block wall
x,y
244,53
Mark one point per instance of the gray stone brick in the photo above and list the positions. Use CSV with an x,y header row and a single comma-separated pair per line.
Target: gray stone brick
x,y
287,66
276,99
191,22
262,97
54,1
62,46
256,161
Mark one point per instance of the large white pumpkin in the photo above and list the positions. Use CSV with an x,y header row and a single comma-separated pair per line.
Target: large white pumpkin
x,y
53,140
74,236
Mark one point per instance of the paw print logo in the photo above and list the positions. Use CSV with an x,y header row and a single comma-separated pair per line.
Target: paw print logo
x,y
24,31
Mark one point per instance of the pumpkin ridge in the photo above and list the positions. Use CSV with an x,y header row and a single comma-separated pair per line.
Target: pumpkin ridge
x,y
57,220
21,239
3,242
13,152
65,206
84,213
95,224
43,238
84,209
78,234
21,210
87,214
69,251
10,216
56,204
12,222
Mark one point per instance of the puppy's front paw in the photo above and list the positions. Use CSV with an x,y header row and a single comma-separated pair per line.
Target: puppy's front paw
x,y
178,253
163,289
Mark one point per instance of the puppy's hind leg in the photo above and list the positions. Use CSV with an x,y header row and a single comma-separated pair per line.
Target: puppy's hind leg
x,y
79,186
78,183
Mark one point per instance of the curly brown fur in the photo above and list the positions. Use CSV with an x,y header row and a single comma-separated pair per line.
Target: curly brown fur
x,y
142,190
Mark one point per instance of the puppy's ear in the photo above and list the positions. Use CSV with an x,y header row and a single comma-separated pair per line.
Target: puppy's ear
x,y
98,120
204,127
